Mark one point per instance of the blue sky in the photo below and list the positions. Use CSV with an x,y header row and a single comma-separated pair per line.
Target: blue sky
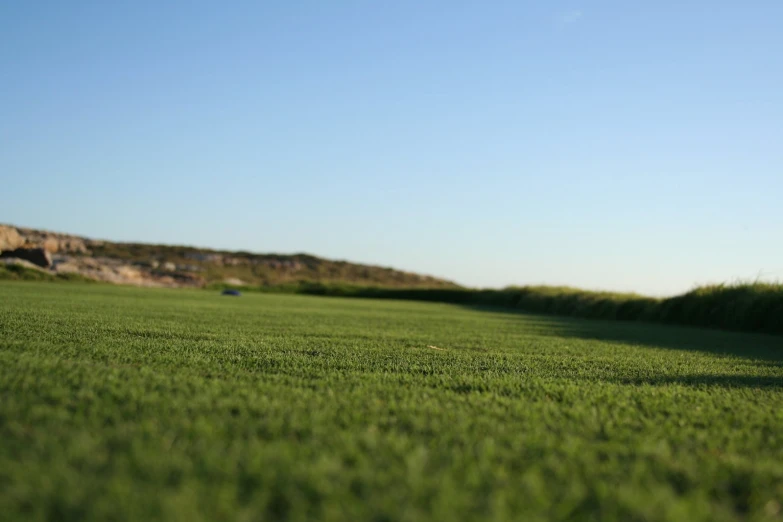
x,y
601,144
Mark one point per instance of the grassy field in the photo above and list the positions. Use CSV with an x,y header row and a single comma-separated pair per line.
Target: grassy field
x,y
136,404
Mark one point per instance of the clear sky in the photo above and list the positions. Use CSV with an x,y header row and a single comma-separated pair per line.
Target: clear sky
x,y
602,144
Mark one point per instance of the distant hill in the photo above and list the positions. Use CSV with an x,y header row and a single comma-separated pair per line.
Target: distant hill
x,y
167,265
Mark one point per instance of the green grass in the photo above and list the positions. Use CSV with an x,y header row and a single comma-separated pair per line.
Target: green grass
x,y
120,403
744,307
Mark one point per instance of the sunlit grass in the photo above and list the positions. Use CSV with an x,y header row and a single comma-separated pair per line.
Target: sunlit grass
x,y
137,404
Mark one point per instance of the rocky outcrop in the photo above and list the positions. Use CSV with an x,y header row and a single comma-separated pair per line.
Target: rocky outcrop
x,y
118,272
109,270
21,262
36,256
10,239
53,242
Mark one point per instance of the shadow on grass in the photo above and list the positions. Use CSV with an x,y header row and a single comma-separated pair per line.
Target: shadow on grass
x,y
722,381
760,347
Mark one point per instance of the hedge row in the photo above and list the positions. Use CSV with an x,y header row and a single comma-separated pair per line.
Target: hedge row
x,y
752,307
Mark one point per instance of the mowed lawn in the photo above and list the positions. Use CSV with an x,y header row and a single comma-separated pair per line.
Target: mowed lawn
x,y
142,404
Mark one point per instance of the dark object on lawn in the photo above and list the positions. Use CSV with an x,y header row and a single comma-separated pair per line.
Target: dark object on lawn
x,y
37,256
231,292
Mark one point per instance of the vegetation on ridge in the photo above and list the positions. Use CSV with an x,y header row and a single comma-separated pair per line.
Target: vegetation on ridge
x,y
171,265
